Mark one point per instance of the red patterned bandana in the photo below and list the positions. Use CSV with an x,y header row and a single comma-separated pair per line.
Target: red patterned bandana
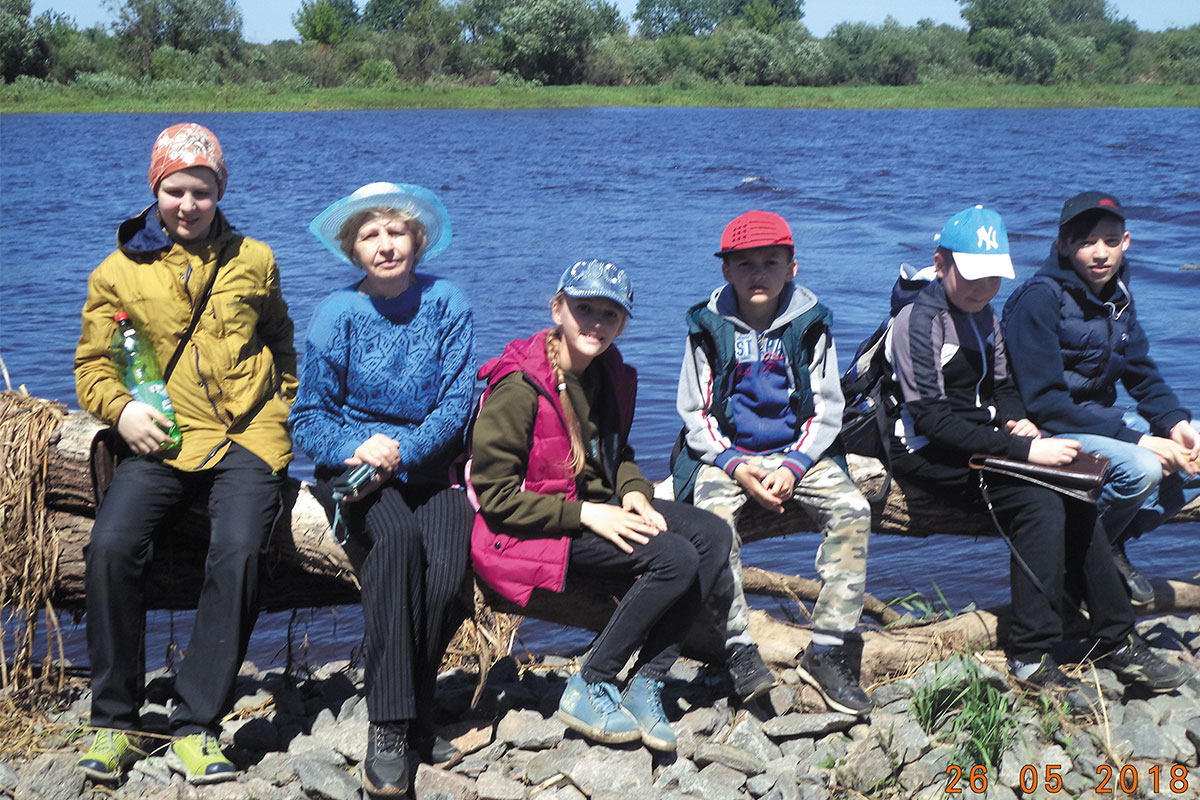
x,y
183,146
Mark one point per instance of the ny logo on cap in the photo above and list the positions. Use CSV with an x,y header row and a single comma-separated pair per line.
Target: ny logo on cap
x,y
987,237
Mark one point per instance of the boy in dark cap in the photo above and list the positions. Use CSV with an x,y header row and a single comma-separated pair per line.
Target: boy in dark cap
x,y
1073,335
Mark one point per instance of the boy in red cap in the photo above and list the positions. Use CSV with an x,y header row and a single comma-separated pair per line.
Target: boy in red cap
x,y
761,403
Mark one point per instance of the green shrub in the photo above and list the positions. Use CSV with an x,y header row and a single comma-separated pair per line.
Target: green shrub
x,y
376,73
104,84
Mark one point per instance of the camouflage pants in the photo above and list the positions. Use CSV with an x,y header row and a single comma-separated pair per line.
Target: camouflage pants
x,y
844,519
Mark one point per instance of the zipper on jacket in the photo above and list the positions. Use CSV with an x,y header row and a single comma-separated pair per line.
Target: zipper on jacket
x,y
212,453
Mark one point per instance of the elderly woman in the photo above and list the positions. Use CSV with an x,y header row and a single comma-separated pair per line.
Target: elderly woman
x,y
387,382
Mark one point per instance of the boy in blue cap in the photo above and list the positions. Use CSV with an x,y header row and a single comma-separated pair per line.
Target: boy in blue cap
x,y
958,398
1074,335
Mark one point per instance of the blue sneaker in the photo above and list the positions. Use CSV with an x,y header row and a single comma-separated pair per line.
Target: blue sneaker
x,y
595,710
643,699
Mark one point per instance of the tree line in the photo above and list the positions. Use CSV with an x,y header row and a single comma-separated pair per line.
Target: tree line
x,y
680,43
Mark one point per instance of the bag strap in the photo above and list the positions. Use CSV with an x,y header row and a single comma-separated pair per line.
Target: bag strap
x,y
225,257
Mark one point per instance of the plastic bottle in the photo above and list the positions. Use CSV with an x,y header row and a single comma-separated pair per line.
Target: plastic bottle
x,y
138,367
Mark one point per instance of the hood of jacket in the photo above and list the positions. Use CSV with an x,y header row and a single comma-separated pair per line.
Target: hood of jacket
x,y
794,300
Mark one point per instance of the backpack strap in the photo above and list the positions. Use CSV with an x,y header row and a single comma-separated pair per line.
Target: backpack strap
x,y
226,256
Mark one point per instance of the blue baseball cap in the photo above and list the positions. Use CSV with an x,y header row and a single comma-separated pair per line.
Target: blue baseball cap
x,y
979,241
598,279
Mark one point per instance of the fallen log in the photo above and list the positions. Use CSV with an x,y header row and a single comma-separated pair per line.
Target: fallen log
x,y
306,568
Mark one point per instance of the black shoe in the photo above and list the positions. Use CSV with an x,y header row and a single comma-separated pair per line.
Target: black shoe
x,y
749,674
1135,662
436,750
1050,679
1140,590
385,769
831,673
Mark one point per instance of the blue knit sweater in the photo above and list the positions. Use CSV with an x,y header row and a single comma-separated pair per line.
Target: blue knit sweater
x,y
402,366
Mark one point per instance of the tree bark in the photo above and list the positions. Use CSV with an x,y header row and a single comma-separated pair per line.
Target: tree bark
x,y
306,568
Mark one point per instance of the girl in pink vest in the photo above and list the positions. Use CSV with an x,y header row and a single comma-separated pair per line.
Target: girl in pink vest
x,y
558,492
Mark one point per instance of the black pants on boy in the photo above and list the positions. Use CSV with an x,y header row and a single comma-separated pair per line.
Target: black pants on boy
x,y
243,505
1062,542
418,542
675,571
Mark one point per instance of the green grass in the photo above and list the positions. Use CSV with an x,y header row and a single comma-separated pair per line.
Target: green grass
x,y
922,607
127,96
976,717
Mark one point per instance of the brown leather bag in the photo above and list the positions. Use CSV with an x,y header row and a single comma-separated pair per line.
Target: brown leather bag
x,y
1081,479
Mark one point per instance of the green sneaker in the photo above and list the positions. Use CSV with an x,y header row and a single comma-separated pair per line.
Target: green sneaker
x,y
110,753
198,758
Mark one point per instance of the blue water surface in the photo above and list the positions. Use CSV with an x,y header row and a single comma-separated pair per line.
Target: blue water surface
x,y
532,191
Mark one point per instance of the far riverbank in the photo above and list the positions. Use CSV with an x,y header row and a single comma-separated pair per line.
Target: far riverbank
x,y
174,97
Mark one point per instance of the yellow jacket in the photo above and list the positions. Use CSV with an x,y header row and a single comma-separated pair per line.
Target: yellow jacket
x,y
236,378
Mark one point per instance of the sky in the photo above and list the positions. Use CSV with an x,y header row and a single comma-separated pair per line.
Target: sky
x,y
268,20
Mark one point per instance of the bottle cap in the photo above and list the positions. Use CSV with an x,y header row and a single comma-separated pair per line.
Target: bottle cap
x,y
120,316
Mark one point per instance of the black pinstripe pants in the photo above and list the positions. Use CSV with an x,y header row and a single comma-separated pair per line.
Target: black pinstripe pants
x,y
412,577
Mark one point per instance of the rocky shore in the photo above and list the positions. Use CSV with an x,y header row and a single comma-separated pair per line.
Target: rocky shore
x,y
301,738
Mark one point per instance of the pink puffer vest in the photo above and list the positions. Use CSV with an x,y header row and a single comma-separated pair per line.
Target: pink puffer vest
x,y
516,562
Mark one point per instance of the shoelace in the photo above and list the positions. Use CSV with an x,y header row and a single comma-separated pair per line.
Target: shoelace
x,y
603,697
207,744
654,696
389,738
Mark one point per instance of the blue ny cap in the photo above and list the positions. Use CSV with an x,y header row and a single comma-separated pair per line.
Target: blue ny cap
x,y
979,241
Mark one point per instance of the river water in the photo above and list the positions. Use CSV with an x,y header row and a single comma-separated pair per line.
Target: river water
x,y
532,191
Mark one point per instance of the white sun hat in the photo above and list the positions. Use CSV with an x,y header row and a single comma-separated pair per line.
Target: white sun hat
x,y
419,201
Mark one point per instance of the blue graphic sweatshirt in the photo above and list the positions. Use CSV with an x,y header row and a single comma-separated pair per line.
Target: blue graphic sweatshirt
x,y
401,366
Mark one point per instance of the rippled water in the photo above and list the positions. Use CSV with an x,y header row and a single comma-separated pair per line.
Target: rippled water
x,y
532,191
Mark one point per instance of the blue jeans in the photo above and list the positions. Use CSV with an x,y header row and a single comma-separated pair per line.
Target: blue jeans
x,y
1137,497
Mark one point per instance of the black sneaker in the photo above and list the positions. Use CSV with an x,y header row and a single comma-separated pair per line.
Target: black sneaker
x,y
831,673
749,674
436,750
1135,662
1140,590
385,769
1050,679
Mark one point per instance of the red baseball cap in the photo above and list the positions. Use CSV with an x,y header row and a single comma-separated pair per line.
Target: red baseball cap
x,y
755,229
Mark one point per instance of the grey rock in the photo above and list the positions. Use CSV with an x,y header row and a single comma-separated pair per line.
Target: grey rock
x,y
1002,792
278,768
782,699
787,790
1146,740
349,738
891,692
260,699
798,749
792,725
701,721
748,735
51,776
313,749
151,771
867,765
901,736
668,776
726,776
1140,710
628,771
1192,729
325,781
829,750
564,792
529,730
493,786
789,677
952,674
8,776
699,785
730,756
541,767
929,770
758,785
351,707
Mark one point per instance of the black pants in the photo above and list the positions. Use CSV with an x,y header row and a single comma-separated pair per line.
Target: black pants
x,y
1058,538
419,542
243,505
676,570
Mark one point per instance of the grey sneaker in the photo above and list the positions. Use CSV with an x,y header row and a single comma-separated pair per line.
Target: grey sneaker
x,y
833,675
1079,697
749,674
385,770
1140,590
1134,662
